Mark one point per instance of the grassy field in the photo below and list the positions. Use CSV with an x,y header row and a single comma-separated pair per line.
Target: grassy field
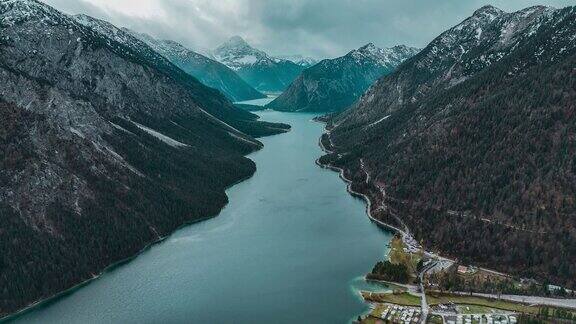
x,y
375,314
434,319
397,255
476,309
378,310
391,285
404,298
435,299
371,320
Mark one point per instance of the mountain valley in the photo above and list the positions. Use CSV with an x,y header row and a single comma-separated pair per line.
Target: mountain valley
x,y
432,182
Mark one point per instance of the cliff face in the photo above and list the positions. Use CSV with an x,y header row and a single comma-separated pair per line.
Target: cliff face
x,y
333,85
107,147
472,142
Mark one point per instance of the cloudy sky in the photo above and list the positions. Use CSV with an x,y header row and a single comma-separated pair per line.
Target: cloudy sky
x,y
317,28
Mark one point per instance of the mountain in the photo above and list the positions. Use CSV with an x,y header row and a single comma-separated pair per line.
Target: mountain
x,y
301,60
258,69
335,84
210,72
472,143
106,147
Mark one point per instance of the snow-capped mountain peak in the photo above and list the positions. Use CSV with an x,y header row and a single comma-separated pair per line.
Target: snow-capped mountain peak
x,y
484,39
14,11
237,53
370,47
487,12
388,57
260,70
208,71
490,31
236,41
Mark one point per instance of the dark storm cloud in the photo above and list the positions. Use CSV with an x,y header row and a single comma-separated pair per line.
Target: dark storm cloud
x,y
320,28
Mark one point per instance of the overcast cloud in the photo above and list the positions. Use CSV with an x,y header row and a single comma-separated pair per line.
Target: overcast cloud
x,y
318,28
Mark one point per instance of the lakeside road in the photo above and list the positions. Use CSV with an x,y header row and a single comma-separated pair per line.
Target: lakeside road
x,y
532,300
409,240
425,307
405,235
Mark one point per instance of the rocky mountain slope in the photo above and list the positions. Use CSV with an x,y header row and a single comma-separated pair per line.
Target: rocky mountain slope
x,y
261,71
210,72
335,84
472,142
106,147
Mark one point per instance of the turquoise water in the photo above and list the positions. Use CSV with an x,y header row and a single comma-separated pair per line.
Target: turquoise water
x,y
360,284
289,248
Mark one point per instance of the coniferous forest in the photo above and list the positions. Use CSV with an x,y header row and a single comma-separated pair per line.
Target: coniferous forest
x,y
483,170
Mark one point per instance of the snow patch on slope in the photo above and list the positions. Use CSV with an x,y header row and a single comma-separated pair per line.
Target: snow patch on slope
x,y
378,121
166,139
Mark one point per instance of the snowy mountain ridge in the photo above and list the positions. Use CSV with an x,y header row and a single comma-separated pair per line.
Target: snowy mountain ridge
x,y
486,37
387,57
301,60
209,71
334,84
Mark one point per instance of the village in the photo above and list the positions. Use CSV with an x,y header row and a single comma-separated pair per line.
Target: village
x,y
442,291
392,313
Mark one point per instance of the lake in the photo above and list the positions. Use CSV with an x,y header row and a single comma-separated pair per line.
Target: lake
x,y
288,248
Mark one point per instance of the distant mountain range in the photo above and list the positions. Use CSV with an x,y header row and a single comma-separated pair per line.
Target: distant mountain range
x,y
260,70
301,60
208,71
106,147
472,142
335,84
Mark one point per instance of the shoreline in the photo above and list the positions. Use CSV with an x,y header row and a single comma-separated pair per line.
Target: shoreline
x,y
407,238
113,266
97,276
360,195
544,301
367,199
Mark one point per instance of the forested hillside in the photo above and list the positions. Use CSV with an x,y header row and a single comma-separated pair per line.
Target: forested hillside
x,y
472,143
106,147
